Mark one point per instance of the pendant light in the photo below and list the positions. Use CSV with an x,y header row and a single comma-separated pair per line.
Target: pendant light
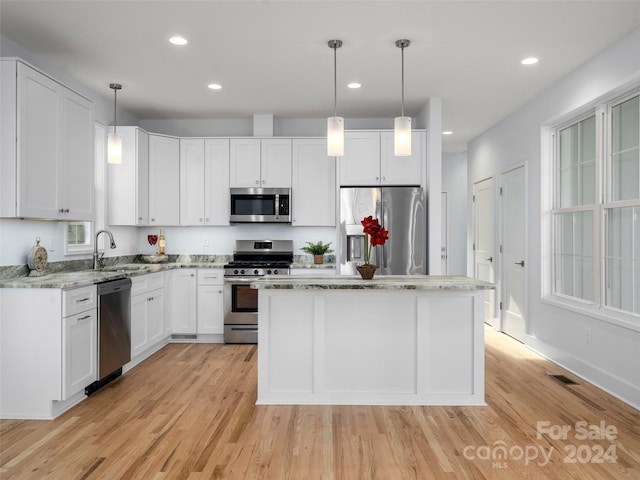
x,y
114,141
335,124
402,124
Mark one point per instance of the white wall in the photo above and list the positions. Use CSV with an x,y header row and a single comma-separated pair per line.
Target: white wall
x,y
611,359
454,182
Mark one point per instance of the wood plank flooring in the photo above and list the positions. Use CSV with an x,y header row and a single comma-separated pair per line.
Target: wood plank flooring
x,y
188,412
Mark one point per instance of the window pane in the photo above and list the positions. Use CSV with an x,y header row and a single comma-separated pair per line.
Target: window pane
x,y
622,259
576,165
625,154
574,254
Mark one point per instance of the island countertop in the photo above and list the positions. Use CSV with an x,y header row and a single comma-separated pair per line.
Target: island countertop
x,y
382,282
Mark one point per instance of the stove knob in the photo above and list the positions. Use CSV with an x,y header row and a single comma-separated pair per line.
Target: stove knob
x,y
275,272
255,272
269,272
242,272
235,272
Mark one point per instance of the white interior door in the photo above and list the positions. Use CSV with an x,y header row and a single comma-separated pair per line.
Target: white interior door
x,y
444,249
483,240
513,234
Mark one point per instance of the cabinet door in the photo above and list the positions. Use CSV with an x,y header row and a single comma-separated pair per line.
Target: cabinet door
x,y
139,333
39,113
80,341
182,302
164,180
313,184
76,163
275,168
129,181
216,178
210,311
360,164
244,162
192,181
155,317
401,170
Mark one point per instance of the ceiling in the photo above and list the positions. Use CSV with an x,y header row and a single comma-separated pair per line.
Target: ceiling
x,y
272,56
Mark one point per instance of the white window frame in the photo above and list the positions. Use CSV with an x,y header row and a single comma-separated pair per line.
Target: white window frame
x,y
550,185
79,249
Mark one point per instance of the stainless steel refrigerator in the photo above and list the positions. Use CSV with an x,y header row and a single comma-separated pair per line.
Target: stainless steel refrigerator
x,y
401,210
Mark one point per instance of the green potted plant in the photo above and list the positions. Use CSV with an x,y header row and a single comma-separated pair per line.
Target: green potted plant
x,y
318,250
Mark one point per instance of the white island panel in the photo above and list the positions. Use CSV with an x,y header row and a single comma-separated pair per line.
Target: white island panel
x,y
342,343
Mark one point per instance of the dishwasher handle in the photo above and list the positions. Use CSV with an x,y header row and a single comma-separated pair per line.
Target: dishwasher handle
x,y
114,286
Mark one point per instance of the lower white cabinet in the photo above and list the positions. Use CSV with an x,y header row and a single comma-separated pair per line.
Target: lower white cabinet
x,y
147,312
210,310
181,301
48,349
79,347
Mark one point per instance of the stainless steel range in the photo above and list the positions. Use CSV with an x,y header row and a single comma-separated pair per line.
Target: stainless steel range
x,y
251,259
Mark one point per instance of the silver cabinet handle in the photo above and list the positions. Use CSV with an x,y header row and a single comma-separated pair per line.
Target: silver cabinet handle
x,y
521,263
84,318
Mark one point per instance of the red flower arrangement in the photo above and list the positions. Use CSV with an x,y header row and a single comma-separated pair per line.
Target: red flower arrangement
x,y
374,234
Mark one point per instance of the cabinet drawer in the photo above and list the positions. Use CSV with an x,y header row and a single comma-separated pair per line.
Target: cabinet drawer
x,y
146,283
79,300
210,276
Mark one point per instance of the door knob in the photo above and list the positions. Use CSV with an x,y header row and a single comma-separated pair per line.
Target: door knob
x,y
521,263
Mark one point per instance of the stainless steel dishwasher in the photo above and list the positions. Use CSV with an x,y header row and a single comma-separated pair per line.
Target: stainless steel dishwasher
x,y
114,331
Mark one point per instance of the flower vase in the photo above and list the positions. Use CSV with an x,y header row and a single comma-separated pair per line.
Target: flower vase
x,y
367,270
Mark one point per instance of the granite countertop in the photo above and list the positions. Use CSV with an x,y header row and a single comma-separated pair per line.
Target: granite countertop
x,y
387,282
74,279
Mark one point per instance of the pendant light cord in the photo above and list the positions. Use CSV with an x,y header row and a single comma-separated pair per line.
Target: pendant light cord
x,y
115,100
335,81
402,81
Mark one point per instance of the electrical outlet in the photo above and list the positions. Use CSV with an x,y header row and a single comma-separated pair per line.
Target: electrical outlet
x,y
205,242
587,335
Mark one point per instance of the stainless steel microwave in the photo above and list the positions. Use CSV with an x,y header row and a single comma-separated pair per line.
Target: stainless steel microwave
x,y
260,205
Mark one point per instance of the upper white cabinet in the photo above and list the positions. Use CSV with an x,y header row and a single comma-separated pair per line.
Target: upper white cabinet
x,y
129,181
47,160
369,160
313,184
258,163
204,181
164,180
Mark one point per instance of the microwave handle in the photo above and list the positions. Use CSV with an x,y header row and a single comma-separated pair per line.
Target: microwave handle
x,y
277,206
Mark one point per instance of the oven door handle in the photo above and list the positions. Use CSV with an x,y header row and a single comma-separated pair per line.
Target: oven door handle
x,y
240,280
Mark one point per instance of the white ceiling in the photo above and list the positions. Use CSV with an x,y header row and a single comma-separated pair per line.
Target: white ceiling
x,y
272,56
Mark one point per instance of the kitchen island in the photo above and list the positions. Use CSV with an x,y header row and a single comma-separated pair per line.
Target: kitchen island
x,y
393,340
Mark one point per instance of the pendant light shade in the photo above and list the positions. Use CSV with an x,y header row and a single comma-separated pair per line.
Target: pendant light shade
x,y
335,124
402,124
114,141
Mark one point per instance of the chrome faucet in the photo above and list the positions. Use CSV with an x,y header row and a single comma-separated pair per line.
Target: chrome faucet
x,y
96,256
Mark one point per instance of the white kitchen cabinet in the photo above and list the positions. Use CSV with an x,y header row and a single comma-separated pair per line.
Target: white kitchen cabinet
x,y
47,349
209,304
401,170
369,160
313,184
181,301
164,180
47,153
258,163
204,181
147,312
80,342
129,181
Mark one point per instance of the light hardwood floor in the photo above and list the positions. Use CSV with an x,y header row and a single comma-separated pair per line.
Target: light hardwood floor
x,y
188,413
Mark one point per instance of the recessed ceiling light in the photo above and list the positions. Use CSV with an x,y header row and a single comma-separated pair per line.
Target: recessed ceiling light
x,y
354,85
214,86
529,61
447,132
177,40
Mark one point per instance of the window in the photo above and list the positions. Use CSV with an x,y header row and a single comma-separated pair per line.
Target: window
x,y
78,238
596,209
